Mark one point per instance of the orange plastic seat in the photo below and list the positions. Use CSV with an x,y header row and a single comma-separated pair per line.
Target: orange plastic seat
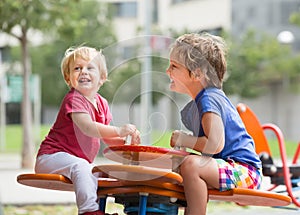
x,y
280,174
46,181
137,173
156,191
241,196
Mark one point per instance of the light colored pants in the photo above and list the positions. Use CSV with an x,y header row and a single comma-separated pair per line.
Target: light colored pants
x,y
80,173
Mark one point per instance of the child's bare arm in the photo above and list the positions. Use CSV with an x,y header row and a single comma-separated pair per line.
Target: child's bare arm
x,y
94,129
211,143
114,141
134,140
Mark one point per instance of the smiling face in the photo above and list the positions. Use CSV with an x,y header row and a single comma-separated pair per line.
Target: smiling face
x,y
84,77
84,69
180,79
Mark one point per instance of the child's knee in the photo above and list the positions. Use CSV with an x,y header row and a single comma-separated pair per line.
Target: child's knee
x,y
188,165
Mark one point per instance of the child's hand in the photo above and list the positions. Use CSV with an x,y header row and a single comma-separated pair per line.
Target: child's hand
x,y
177,138
133,139
136,138
125,130
131,130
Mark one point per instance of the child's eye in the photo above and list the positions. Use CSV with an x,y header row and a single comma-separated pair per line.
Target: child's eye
x,y
77,68
91,66
172,66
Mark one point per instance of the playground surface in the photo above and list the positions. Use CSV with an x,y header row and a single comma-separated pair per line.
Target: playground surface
x,y
12,193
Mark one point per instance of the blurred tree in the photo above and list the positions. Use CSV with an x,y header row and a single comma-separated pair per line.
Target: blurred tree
x,y
56,19
91,25
256,62
295,18
126,81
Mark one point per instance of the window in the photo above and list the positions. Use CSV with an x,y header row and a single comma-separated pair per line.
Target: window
x,y
179,1
125,9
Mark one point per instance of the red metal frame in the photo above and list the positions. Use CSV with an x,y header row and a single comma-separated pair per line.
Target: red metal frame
x,y
296,155
285,167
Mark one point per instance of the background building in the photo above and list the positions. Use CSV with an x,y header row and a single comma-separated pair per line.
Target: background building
x,y
179,15
135,19
234,16
270,16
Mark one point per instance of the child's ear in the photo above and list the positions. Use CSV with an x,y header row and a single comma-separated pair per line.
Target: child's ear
x,y
67,79
197,74
103,78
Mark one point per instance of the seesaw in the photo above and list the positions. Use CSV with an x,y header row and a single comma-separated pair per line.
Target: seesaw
x,y
148,189
138,193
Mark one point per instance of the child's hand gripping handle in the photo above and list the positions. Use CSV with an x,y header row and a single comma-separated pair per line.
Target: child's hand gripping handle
x,y
128,140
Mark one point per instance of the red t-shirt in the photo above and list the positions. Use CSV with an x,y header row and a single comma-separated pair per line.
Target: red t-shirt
x,y
65,136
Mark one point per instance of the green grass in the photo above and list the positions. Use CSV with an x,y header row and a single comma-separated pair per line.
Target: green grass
x,y
13,137
290,147
14,140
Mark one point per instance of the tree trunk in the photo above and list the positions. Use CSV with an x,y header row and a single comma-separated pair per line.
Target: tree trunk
x,y
28,143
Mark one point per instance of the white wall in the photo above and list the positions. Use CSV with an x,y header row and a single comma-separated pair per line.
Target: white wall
x,y
125,28
196,15
283,111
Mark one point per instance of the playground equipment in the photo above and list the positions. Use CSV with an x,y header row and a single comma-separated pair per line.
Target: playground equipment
x,y
144,182
285,177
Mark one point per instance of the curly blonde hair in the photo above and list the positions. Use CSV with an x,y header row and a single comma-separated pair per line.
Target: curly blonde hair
x,y
85,53
203,53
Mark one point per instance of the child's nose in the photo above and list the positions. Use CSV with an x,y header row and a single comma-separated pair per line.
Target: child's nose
x,y
168,71
84,70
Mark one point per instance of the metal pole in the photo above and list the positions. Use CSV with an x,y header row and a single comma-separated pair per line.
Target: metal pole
x,y
146,78
2,107
36,107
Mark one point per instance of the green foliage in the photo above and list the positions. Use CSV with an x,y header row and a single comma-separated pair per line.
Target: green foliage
x,y
46,62
35,14
13,137
124,83
257,61
295,18
90,25
64,24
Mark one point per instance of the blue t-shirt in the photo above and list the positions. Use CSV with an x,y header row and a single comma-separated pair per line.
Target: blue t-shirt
x,y
239,145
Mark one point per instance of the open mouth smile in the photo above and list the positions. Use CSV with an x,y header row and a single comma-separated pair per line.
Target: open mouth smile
x,y
84,80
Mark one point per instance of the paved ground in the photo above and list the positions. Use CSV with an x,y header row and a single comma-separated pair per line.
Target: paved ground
x,y
16,194
13,193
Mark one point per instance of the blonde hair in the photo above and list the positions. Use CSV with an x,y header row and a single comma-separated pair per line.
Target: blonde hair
x,y
85,53
203,53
